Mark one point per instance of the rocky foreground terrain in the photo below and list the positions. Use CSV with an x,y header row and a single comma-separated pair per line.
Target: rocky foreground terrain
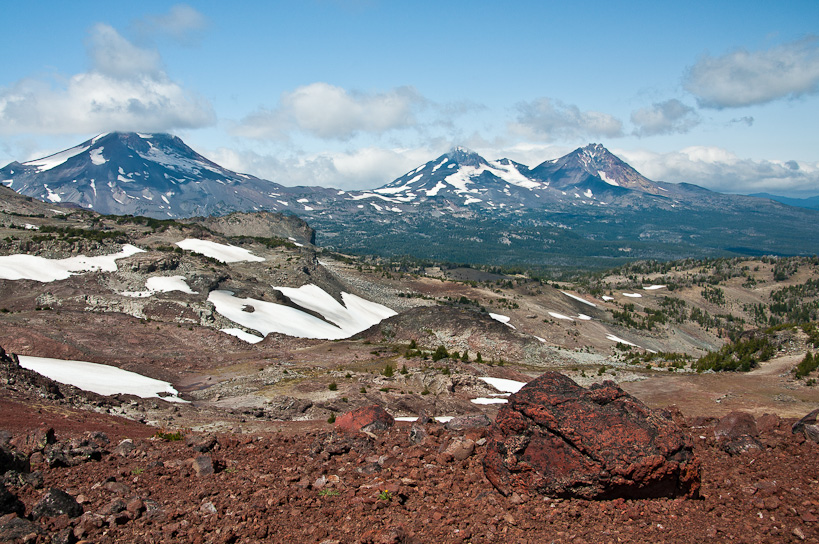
x,y
252,455
74,475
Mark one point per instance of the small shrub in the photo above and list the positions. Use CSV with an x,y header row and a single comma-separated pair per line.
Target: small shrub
x,y
333,386
168,436
440,353
332,418
388,371
385,496
806,366
362,390
404,370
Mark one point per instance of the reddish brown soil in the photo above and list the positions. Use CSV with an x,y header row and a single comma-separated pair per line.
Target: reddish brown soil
x,y
265,489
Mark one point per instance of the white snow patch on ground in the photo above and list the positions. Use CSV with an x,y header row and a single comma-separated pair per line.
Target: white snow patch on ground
x,y
654,287
96,156
502,384
29,226
633,295
356,315
220,252
47,163
503,319
161,284
588,193
577,298
583,317
484,400
620,340
242,335
607,298
543,340
101,379
560,316
32,267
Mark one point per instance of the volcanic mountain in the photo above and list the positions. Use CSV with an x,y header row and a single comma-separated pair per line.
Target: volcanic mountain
x,y
586,208
128,173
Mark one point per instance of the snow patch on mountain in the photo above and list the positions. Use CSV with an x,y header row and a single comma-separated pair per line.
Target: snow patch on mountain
x,y
52,161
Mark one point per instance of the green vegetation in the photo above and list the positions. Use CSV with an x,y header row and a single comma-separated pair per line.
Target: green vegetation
x,y
169,436
742,355
440,353
806,366
385,496
388,371
333,386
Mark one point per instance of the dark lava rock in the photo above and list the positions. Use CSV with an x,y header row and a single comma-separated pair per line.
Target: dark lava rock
x,y
340,443
737,432
9,503
561,440
56,502
367,419
474,421
735,425
14,529
808,426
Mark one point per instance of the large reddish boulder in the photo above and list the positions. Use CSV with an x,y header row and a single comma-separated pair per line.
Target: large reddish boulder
x,y
561,440
367,419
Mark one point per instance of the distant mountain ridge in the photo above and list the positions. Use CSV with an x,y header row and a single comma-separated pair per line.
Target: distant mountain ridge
x,y
811,202
586,208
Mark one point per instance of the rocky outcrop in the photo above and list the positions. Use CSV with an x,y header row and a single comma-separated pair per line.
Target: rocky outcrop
x,y
737,433
561,440
262,225
367,419
808,426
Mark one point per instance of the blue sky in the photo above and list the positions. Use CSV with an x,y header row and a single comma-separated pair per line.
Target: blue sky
x,y
354,93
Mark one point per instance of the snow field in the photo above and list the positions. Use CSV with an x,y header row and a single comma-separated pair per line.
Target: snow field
x,y
220,252
32,267
101,379
577,298
356,315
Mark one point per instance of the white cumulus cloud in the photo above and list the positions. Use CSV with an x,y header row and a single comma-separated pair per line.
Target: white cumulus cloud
x,y
363,168
721,170
126,89
744,78
548,119
671,116
326,111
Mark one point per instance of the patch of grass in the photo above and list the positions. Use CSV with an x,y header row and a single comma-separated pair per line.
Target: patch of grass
x,y
169,436
328,493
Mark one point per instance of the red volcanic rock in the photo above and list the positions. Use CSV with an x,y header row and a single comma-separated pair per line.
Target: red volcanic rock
x,y
367,419
561,440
